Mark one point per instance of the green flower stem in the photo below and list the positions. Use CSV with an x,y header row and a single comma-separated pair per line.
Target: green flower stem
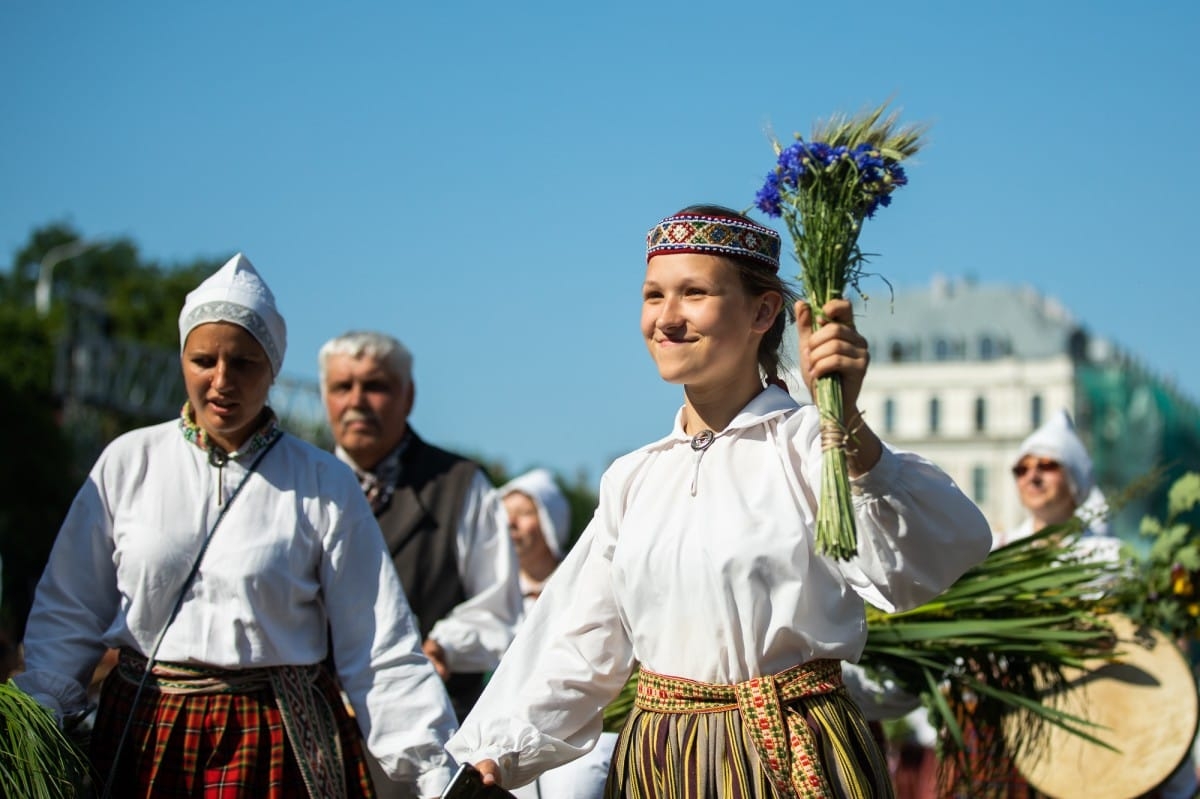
x,y
836,534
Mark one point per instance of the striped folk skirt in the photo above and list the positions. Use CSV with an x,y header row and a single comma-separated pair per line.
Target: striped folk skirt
x,y
274,732
794,735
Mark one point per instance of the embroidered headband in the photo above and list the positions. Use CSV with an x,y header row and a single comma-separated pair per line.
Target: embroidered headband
x,y
714,235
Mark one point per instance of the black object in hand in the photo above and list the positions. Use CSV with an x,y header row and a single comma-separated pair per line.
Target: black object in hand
x,y
468,784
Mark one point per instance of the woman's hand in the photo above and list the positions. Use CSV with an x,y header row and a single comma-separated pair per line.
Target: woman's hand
x,y
836,347
437,656
489,770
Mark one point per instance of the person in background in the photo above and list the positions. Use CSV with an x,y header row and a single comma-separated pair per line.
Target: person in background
x,y
441,519
225,560
1056,483
539,522
700,562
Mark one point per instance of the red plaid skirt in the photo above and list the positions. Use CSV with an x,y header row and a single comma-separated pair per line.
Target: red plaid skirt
x,y
211,745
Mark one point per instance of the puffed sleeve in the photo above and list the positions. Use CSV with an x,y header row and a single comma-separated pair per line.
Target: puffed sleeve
x,y
75,602
544,705
477,631
917,532
398,699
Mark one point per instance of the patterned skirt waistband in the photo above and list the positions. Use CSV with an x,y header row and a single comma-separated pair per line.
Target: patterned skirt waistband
x,y
789,753
663,694
189,678
310,721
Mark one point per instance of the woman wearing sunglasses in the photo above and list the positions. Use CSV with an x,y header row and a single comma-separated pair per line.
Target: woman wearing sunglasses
x,y
1055,482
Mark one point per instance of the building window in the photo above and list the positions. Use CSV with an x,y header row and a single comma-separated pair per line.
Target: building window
x,y
897,351
987,348
935,416
1035,411
979,484
941,349
980,414
889,415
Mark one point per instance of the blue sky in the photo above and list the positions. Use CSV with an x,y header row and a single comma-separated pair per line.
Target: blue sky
x,y
477,178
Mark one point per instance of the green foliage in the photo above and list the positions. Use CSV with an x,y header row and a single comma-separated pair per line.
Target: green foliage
x,y
996,640
619,709
36,760
1183,495
36,487
26,364
1161,589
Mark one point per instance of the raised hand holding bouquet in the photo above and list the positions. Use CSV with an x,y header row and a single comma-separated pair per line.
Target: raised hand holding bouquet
x,y
824,189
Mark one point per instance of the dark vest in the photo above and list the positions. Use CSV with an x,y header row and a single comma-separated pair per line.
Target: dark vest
x,y
420,528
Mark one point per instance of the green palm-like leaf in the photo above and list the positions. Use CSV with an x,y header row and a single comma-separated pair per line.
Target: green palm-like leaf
x,y
36,760
995,642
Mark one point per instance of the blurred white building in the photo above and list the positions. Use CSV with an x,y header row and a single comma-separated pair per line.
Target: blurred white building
x,y
962,372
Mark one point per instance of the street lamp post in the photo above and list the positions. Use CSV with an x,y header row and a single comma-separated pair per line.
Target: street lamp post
x,y
53,257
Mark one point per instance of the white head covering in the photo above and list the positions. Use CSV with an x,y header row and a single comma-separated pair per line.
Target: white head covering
x,y
1057,440
237,294
554,513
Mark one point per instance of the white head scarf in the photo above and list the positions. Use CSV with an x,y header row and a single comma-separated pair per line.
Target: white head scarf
x,y
237,294
1057,440
554,513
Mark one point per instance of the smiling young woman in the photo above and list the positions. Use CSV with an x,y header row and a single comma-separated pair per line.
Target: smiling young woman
x,y
700,564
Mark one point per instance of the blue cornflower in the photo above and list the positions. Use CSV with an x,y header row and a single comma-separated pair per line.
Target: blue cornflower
x,y
877,201
791,169
767,198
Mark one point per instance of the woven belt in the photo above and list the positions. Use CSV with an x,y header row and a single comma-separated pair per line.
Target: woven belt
x,y
790,756
310,723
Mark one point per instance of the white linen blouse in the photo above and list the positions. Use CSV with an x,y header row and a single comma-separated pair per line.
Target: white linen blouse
x,y
298,552
701,565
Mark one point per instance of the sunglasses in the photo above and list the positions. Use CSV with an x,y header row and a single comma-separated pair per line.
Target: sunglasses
x,y
1042,465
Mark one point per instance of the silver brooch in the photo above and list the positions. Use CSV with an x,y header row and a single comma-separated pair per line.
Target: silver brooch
x,y
701,440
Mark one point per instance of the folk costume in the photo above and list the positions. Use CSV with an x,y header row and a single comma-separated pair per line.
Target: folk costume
x,y
585,777
446,532
700,567
239,699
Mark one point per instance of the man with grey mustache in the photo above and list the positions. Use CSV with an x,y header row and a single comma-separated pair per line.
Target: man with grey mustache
x,y
441,518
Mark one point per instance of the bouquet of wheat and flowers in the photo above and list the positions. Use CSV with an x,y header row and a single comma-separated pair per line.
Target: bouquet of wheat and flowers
x,y
825,188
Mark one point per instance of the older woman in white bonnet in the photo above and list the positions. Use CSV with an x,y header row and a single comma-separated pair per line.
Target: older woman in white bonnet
x,y
227,561
539,523
1055,481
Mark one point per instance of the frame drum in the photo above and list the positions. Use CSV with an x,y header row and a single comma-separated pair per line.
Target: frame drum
x,y
1144,704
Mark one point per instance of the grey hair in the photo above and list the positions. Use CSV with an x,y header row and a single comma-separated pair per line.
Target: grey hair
x,y
394,356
